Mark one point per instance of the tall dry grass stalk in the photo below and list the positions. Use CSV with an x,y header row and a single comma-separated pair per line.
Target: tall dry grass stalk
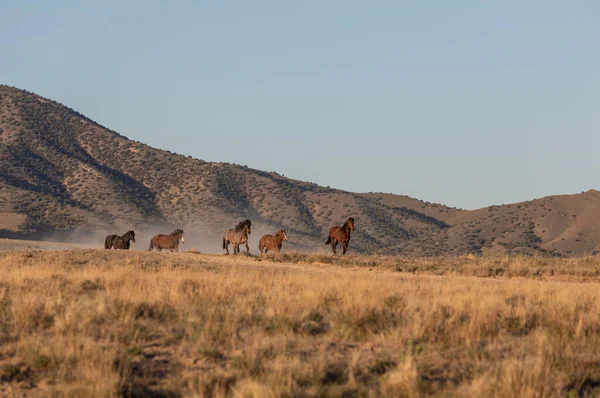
x,y
102,323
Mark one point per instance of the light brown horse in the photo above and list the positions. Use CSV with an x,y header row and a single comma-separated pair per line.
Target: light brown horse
x,y
237,236
270,242
170,242
341,235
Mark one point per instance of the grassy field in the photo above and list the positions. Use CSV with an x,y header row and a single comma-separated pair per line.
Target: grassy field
x,y
106,323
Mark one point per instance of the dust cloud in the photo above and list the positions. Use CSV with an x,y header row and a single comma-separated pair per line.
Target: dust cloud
x,y
204,239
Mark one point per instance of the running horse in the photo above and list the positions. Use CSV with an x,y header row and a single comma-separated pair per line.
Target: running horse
x,y
237,236
270,242
341,235
119,242
170,242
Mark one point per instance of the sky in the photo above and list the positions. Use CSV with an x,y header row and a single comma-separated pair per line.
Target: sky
x,y
465,103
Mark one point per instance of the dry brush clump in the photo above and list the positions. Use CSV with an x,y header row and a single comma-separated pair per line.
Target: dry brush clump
x,y
100,323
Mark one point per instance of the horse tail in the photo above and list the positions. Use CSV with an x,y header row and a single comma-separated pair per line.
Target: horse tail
x,y
328,240
151,245
261,246
107,243
224,241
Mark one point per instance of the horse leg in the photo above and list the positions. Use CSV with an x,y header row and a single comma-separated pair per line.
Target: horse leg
x,y
346,244
247,247
345,247
226,247
334,244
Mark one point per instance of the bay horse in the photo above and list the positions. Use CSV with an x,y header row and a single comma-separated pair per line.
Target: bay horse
x,y
119,242
270,242
237,236
341,235
170,241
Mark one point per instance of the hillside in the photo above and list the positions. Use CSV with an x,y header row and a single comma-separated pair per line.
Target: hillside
x,y
64,176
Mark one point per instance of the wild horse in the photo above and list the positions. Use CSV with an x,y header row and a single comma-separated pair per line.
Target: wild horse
x,y
237,236
119,242
272,242
341,235
170,242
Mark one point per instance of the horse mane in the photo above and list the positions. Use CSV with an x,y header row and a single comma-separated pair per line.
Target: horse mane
x,y
177,231
241,225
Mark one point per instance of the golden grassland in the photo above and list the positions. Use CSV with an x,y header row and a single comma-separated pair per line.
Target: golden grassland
x,y
107,323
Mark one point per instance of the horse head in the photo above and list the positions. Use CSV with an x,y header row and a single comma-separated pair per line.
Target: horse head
x,y
283,234
247,226
351,223
132,235
178,233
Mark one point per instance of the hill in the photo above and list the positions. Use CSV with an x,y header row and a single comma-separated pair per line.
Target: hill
x,y
66,177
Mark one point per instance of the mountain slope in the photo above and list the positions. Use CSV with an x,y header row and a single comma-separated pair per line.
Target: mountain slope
x,y
62,174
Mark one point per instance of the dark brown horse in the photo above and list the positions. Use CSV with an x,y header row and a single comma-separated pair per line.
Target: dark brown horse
x,y
119,242
170,242
341,235
237,236
270,242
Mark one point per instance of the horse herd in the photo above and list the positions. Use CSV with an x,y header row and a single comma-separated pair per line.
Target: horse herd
x,y
236,237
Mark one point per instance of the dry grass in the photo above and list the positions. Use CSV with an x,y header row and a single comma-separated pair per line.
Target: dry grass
x,y
100,323
582,269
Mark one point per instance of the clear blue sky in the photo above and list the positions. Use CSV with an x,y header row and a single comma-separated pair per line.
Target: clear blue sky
x,y
466,103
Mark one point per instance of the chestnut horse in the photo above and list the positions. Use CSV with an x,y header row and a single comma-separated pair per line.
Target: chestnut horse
x,y
341,235
119,242
270,242
170,241
237,236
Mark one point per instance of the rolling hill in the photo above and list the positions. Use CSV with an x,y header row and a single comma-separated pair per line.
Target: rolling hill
x,y
66,177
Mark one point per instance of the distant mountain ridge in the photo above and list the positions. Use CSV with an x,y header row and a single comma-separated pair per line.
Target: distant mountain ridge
x,y
63,175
